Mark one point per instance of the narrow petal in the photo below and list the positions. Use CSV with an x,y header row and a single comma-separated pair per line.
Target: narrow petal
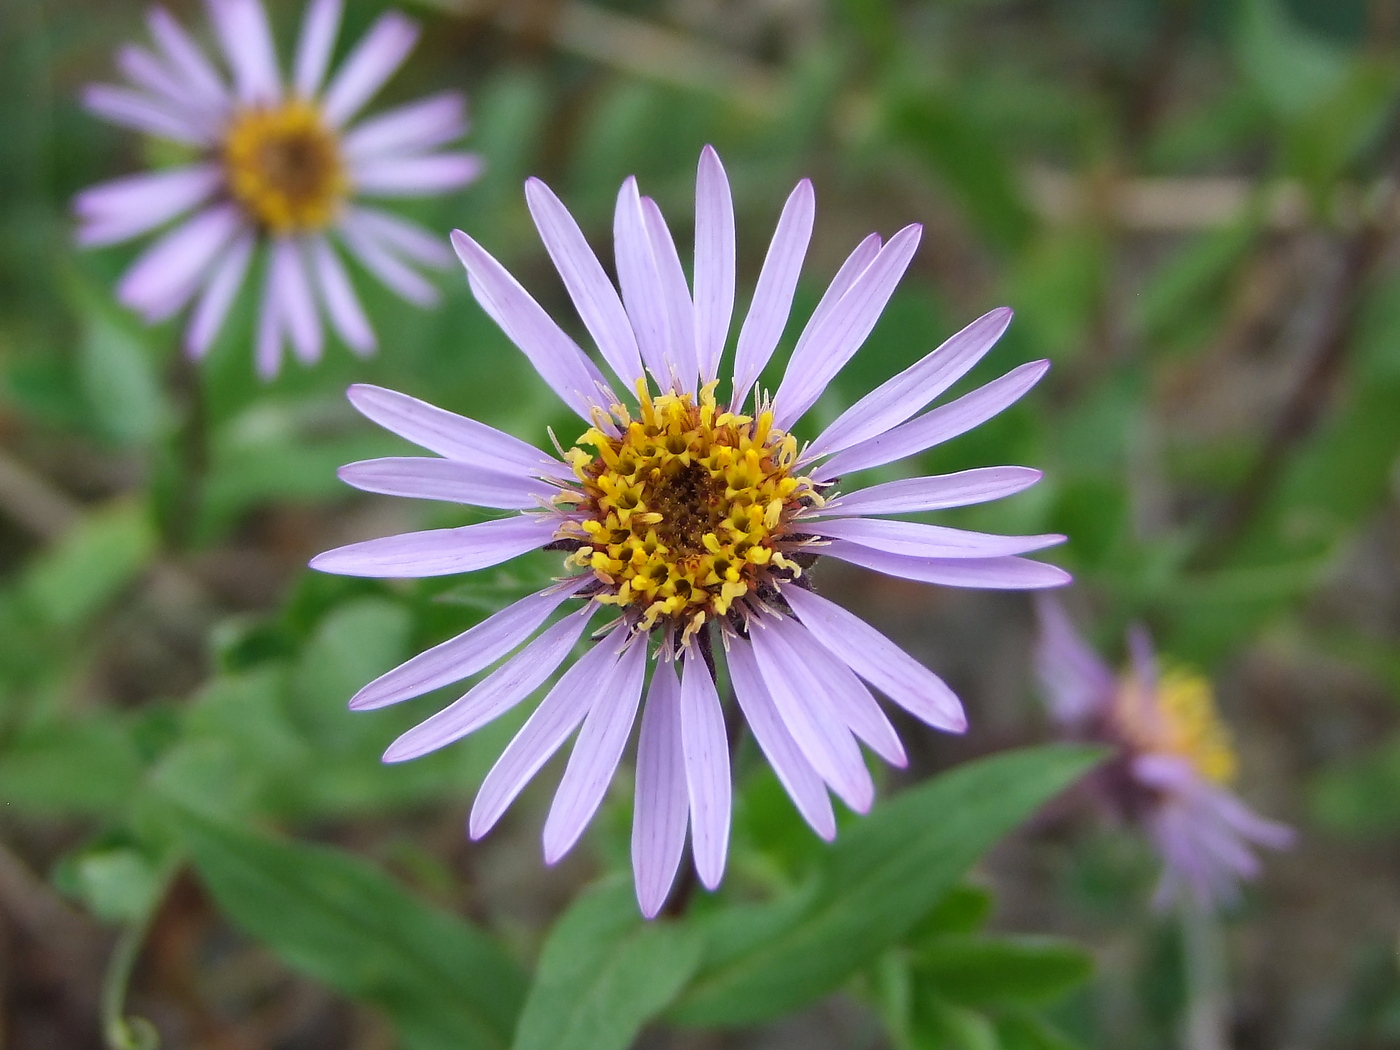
x,y
941,424
1078,685
831,342
937,492
640,279
772,297
151,74
451,435
440,552
680,312
124,208
706,751
185,55
167,273
1143,658
801,781
916,540
369,248
247,44
219,293
319,27
341,302
714,262
408,239
845,694
555,356
373,61
897,399
1009,574
414,176
469,652
268,354
558,715
820,734
662,806
298,302
413,128
878,660
851,270
588,285
422,477
140,112
497,693
596,753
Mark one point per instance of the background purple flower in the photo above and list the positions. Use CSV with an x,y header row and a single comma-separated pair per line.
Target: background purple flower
x,y
694,525
1176,761
276,178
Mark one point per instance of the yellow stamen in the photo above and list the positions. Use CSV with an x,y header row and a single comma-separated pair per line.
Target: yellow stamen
x,y
284,166
1181,719
686,507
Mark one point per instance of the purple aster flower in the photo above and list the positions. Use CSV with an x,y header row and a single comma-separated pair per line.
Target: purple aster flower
x,y
690,524
1175,764
275,164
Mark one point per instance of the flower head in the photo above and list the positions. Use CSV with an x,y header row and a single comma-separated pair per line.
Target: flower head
x,y
1176,759
690,524
275,165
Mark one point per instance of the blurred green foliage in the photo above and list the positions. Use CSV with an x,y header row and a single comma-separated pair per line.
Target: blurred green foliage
x,y
1178,339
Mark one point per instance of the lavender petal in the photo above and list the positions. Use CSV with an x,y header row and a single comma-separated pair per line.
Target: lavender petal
x,y
878,660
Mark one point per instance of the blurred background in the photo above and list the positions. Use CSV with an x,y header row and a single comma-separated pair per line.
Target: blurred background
x,y
1191,204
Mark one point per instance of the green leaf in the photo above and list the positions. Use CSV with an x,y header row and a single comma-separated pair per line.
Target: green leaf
x,y
1292,69
980,971
939,1025
117,883
90,564
604,972
445,984
963,909
86,766
353,644
119,378
878,881
1025,1031
970,162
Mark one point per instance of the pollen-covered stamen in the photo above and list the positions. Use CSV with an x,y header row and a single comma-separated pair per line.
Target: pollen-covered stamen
x,y
284,165
688,510
1181,719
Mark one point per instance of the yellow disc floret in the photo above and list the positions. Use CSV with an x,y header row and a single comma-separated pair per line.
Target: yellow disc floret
x,y
686,508
1183,721
284,165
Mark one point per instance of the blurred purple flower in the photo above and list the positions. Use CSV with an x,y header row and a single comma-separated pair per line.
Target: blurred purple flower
x,y
695,525
275,164
1176,760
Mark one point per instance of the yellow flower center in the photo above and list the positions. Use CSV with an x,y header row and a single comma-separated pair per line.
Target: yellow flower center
x,y
1183,721
284,166
685,512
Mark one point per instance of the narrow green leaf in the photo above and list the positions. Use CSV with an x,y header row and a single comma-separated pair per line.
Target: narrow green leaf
x,y
981,971
445,984
90,564
604,973
1026,1031
970,162
1292,69
878,881
119,379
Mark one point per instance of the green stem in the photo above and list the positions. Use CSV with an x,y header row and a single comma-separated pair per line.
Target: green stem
x,y
120,1031
1207,995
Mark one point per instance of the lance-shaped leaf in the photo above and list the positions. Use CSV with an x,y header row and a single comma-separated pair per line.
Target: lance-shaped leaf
x,y
880,878
443,983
